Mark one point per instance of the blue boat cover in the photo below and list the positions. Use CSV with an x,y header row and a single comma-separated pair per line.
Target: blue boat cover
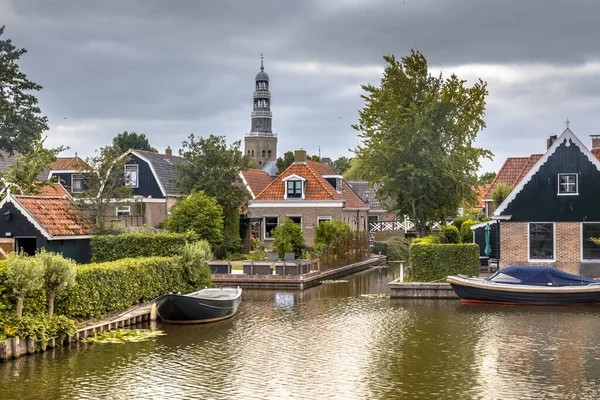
x,y
539,276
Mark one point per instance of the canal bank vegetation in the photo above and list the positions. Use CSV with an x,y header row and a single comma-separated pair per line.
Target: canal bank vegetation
x,y
431,261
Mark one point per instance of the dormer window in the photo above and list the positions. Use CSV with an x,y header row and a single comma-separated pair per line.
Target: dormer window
x,y
568,184
294,187
131,175
335,181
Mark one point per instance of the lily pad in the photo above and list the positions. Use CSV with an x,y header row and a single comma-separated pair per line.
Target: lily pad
x,y
124,336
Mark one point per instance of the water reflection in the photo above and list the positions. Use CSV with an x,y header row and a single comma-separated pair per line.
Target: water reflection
x,y
329,342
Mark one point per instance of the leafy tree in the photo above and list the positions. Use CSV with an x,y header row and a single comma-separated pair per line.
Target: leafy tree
x,y
131,140
21,124
288,238
195,257
355,171
25,275
214,169
22,175
485,178
199,213
341,165
104,183
328,231
499,193
418,134
285,162
59,274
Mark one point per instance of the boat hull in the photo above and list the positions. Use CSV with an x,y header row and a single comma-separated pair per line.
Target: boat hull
x,y
479,292
199,307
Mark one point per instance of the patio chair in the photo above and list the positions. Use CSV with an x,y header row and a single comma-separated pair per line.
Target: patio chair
x,y
271,257
289,257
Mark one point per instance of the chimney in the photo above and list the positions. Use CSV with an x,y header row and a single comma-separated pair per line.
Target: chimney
x,y
550,140
595,142
326,160
169,152
300,156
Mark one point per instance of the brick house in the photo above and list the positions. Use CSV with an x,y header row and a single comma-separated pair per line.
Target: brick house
x,y
308,192
551,214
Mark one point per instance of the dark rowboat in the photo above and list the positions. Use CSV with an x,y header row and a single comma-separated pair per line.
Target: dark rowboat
x,y
527,285
206,305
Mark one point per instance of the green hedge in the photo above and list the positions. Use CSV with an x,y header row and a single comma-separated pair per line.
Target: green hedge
x,y
138,244
398,249
432,262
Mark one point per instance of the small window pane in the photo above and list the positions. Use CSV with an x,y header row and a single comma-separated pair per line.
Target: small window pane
x,y
294,189
77,184
131,175
591,251
541,241
567,183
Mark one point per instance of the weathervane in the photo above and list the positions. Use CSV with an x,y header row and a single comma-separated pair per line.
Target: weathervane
x,y
567,122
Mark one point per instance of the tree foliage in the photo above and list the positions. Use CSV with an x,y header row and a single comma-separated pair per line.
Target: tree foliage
x,y
199,213
25,275
103,183
356,170
328,231
288,239
485,178
194,259
130,140
21,124
500,192
22,175
284,162
418,134
59,274
214,169
341,165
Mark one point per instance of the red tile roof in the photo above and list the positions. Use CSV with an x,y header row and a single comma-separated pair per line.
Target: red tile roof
x,y
317,188
257,180
69,164
57,215
55,189
512,171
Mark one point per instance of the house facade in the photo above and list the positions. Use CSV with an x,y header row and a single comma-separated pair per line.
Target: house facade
x,y
552,214
68,172
309,193
54,223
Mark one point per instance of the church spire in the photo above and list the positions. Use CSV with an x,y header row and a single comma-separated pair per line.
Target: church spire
x,y
261,112
262,67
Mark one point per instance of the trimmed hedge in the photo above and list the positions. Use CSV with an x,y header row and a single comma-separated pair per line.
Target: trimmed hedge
x,y
138,244
466,234
432,262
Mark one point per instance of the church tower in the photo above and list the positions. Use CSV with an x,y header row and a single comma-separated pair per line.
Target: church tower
x,y
261,143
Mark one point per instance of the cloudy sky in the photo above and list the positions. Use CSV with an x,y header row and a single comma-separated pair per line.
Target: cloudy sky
x,y
171,68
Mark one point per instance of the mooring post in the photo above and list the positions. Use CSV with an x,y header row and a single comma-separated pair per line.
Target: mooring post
x,y
401,271
153,312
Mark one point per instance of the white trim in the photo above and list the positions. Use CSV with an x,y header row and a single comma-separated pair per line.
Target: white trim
x,y
553,259
321,218
576,184
264,223
502,217
473,227
245,182
65,171
292,203
123,215
27,215
564,138
586,260
70,237
294,177
137,175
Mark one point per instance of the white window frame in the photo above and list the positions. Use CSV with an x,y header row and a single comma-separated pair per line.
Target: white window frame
x,y
137,175
294,177
553,259
79,177
576,193
586,260
265,226
122,209
323,219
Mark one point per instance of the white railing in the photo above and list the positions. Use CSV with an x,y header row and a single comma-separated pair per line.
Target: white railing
x,y
396,225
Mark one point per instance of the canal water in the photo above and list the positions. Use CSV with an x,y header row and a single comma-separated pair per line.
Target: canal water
x,y
332,342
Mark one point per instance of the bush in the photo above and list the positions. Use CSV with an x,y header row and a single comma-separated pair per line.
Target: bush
x,y
459,221
201,214
288,238
39,328
500,192
450,233
328,231
25,275
427,240
138,244
466,234
432,262
194,258
398,249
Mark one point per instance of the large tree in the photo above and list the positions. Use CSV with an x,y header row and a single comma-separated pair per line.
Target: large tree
x,y
104,183
341,165
284,162
130,140
418,133
485,178
21,124
213,168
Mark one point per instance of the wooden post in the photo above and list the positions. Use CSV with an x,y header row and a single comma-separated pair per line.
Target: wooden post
x,y
401,271
229,267
30,345
5,347
16,347
153,313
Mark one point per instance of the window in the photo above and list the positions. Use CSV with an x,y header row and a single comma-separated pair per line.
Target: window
x,y
323,219
263,153
296,218
131,175
270,224
589,249
76,183
373,218
294,189
541,241
269,153
123,210
568,184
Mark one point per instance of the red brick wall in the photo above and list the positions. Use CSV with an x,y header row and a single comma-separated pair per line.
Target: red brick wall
x,y
514,251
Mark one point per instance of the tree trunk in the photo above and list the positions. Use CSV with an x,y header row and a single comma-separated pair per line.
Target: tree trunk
x,y
20,306
51,294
